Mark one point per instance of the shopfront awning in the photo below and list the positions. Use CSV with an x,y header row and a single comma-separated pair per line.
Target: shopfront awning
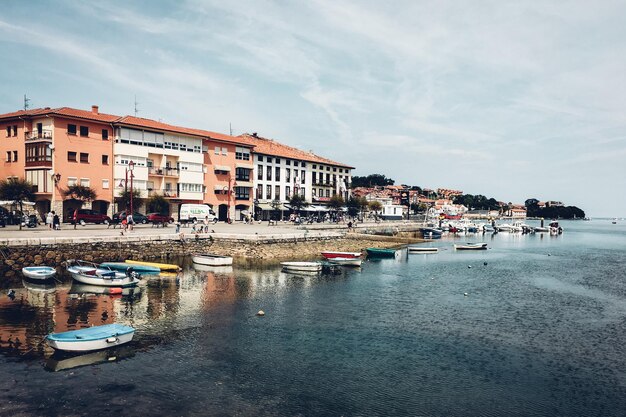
x,y
225,168
268,206
244,166
313,207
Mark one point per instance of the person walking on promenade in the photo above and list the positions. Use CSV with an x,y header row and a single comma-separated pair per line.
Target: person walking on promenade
x,y
129,221
206,224
49,218
75,218
56,222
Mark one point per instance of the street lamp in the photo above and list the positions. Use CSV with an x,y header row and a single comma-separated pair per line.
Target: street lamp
x,y
131,166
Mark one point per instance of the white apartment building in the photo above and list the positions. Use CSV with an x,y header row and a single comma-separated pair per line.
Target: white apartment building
x,y
166,162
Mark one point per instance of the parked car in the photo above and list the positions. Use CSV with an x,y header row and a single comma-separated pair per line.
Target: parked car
x,y
137,217
160,218
83,216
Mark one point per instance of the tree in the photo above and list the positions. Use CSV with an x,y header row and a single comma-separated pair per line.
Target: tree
x,y
297,202
17,190
276,205
375,206
124,199
371,181
354,206
80,193
336,202
157,204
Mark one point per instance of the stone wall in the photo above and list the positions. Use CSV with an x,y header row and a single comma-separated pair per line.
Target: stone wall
x,y
13,257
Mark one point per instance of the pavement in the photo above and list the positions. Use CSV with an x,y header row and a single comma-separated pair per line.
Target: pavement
x,y
92,230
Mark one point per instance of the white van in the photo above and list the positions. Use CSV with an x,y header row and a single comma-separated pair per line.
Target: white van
x,y
193,212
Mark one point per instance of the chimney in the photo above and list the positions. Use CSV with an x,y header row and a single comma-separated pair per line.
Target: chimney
x,y
254,134
94,109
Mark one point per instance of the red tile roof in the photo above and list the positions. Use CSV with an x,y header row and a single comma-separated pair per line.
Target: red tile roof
x,y
271,147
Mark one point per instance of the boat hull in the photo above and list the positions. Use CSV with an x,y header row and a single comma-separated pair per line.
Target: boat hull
x,y
119,280
301,266
478,246
123,266
381,253
212,260
415,249
331,254
162,267
94,338
39,273
346,261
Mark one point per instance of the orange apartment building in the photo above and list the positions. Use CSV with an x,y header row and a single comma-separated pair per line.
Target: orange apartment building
x,y
54,148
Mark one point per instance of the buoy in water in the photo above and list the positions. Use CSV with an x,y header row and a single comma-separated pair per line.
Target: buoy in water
x,y
484,263
465,294
469,266
261,313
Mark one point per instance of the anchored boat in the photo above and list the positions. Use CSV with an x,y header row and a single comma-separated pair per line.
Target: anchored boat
x,y
93,274
333,254
346,261
211,259
422,249
123,267
302,266
39,273
92,338
381,253
471,246
162,267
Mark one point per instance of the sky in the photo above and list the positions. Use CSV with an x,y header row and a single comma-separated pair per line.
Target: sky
x,y
512,100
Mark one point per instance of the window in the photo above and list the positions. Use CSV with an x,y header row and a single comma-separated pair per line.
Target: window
x,y
71,129
242,153
105,184
14,130
288,174
217,150
84,131
105,134
259,170
260,158
224,151
314,166
277,192
84,182
242,193
71,156
327,193
242,174
288,161
277,160
303,192
268,174
314,177
334,169
259,191
327,178
8,158
303,165
313,192
327,168
302,176
268,192
269,160
8,131
84,158
14,156
277,174
71,181
287,192
321,193
105,159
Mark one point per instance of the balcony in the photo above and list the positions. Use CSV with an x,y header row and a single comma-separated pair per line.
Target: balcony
x,y
324,184
36,136
163,193
163,172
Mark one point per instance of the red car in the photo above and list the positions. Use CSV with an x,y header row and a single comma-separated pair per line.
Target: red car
x,y
83,216
159,218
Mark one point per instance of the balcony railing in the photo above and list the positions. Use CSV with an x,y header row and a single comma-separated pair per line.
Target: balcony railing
x,y
167,172
164,193
45,135
324,184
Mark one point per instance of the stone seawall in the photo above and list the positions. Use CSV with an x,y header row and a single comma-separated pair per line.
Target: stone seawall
x,y
18,253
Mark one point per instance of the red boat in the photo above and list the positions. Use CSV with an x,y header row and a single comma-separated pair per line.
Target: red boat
x,y
348,255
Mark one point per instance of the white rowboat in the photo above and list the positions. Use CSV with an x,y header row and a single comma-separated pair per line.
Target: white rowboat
x,y
302,266
211,259
92,274
419,249
39,273
471,246
346,261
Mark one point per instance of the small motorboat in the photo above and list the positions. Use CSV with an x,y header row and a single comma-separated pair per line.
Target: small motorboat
x,y
123,267
91,338
39,273
211,259
381,253
162,267
333,254
540,229
431,232
422,249
301,266
346,261
93,274
471,246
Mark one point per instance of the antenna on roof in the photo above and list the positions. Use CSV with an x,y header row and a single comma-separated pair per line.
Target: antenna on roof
x,y
230,126
136,109
26,102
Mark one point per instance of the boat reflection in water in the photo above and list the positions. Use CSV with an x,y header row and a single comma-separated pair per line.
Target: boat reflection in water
x,y
85,289
228,269
61,361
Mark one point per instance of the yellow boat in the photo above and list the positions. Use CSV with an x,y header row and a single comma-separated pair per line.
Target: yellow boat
x,y
162,267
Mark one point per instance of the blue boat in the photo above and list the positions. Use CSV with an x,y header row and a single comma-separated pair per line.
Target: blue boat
x,y
91,338
122,266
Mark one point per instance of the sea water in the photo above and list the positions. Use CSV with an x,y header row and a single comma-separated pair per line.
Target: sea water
x,y
533,326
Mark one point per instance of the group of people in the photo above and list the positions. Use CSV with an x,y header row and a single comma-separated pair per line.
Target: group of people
x,y
53,221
